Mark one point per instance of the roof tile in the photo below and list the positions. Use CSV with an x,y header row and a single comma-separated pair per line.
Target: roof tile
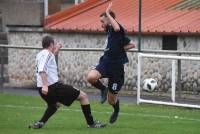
x,y
158,16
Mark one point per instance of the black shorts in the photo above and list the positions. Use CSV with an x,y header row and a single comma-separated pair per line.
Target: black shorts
x,y
59,92
114,73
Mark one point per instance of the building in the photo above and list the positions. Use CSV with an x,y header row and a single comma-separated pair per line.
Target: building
x,y
25,14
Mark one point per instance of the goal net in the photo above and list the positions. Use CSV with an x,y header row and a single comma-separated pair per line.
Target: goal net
x,y
173,80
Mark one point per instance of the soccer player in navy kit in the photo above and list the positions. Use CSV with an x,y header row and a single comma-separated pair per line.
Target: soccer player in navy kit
x,y
55,92
111,64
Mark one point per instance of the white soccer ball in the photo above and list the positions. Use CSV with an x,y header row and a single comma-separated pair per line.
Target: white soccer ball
x,y
149,84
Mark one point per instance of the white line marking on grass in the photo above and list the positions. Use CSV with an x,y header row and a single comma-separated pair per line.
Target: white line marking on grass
x,y
121,113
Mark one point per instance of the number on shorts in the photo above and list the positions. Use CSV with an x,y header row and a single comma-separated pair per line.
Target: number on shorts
x,y
114,87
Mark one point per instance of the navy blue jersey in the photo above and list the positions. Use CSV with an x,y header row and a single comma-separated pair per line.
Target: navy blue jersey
x,y
114,51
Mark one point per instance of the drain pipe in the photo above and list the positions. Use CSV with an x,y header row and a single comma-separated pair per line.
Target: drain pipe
x,y
46,8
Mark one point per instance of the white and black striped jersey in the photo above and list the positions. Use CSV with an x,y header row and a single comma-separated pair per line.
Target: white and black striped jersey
x,y
45,62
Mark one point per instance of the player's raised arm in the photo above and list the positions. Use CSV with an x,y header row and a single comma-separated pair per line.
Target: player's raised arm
x,y
113,22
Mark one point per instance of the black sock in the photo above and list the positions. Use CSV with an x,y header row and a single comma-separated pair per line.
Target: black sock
x,y
98,84
87,113
116,106
48,113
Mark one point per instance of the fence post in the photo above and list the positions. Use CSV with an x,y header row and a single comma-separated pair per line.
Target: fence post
x,y
139,25
139,77
179,78
2,70
173,91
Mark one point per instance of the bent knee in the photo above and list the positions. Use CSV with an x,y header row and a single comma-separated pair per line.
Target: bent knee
x,y
83,95
92,77
83,98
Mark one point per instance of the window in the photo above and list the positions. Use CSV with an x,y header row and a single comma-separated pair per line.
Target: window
x,y
169,42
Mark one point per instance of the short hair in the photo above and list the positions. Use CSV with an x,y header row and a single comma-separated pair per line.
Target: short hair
x,y
111,14
47,40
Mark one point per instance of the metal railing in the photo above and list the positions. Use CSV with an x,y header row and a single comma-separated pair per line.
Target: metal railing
x,y
179,53
102,49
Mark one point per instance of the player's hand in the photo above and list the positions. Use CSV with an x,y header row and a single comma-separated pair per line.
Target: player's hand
x,y
57,48
109,8
58,45
45,90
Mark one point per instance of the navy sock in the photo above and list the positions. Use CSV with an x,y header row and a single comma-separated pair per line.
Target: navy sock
x,y
98,84
116,106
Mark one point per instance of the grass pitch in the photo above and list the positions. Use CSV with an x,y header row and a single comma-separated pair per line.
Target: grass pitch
x,y
18,111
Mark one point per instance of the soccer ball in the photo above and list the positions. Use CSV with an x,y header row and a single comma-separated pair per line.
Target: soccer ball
x,y
149,84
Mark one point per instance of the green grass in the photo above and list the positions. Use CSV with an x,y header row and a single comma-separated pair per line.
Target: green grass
x,y
17,111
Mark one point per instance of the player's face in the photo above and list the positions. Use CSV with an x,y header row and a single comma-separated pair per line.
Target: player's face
x,y
104,22
52,45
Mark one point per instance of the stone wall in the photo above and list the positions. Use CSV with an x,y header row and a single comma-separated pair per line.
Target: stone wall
x,y
190,69
21,62
73,66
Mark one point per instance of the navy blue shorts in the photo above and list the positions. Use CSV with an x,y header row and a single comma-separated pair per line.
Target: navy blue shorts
x,y
114,73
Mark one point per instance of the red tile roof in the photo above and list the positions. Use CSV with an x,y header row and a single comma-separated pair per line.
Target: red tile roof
x,y
158,16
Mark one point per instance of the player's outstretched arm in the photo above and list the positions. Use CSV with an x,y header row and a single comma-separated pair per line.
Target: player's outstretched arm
x,y
113,22
130,45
